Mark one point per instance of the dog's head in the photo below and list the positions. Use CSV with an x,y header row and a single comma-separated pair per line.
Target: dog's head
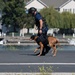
x,y
33,37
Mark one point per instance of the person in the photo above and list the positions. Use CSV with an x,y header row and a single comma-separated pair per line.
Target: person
x,y
40,23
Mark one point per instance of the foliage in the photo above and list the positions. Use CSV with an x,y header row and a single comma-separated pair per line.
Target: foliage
x,y
46,70
29,21
1,4
14,13
73,21
67,20
52,17
58,20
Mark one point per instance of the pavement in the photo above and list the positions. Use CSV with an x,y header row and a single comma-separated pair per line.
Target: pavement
x,y
26,61
23,61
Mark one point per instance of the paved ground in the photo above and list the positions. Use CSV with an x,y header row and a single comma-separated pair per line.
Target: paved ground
x,y
27,61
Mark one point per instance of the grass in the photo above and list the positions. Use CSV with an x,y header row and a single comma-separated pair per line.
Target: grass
x,y
11,48
46,70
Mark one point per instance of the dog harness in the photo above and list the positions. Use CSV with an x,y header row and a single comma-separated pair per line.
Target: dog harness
x,y
43,40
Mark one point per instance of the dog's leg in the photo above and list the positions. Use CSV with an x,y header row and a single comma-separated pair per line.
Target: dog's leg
x,y
41,49
36,49
51,47
52,51
55,51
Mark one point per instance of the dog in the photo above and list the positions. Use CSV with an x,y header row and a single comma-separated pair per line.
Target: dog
x,y
52,41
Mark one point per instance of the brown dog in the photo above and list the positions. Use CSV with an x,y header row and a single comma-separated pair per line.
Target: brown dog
x,y
52,41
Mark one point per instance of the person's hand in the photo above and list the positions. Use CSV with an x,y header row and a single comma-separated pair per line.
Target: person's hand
x,y
40,31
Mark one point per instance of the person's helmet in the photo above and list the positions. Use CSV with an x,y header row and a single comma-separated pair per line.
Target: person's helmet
x,y
32,10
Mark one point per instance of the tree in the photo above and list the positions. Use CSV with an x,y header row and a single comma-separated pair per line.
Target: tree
x,y
1,7
68,23
73,21
67,20
29,22
1,4
14,14
52,17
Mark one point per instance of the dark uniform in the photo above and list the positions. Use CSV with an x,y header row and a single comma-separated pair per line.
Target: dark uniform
x,y
45,27
38,17
43,35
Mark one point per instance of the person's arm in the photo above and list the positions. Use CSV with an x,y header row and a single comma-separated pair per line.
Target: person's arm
x,y
39,18
41,23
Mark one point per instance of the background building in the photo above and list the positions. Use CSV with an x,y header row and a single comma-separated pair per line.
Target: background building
x,y
60,5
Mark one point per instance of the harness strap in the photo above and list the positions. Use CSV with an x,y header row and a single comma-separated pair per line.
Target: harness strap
x,y
42,39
